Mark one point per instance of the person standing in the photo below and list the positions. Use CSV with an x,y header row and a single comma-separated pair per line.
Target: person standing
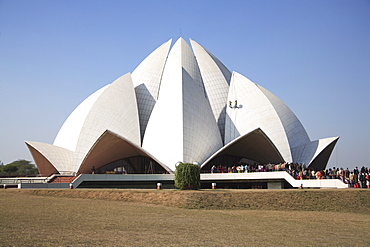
x,y
213,168
351,182
346,174
318,175
246,168
341,174
334,172
355,171
355,179
362,180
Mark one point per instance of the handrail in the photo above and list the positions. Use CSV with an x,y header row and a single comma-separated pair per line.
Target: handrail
x,y
307,183
23,180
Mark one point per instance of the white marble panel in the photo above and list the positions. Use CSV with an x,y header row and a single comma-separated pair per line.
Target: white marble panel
x,y
307,152
254,110
216,79
164,136
115,110
201,135
60,158
147,78
182,119
70,131
294,130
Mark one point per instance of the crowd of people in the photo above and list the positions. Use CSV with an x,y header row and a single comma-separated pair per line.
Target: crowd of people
x,y
356,178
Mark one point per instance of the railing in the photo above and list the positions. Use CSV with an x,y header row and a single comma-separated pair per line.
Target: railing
x,y
307,176
307,183
23,180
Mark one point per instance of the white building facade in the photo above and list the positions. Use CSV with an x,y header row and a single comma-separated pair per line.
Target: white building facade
x,y
180,104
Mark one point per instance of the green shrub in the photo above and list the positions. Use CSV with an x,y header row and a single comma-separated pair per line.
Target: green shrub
x,y
187,176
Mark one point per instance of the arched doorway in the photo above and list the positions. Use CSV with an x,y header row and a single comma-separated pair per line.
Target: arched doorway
x,y
133,165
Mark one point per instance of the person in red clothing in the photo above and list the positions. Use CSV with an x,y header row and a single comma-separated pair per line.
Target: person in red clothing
x,y
318,175
368,181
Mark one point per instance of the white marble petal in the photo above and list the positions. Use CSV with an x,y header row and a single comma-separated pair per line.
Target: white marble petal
x,y
216,78
308,152
182,127
69,133
254,110
147,79
115,110
60,158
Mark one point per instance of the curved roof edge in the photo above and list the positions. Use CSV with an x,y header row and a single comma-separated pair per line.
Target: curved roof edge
x,y
308,152
111,111
46,168
224,70
295,132
216,80
155,60
254,110
110,147
323,153
69,133
146,79
254,145
60,158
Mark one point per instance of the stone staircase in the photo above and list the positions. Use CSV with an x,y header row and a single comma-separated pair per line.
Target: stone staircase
x,y
62,179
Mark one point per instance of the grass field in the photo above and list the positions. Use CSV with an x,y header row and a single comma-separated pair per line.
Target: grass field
x,y
152,218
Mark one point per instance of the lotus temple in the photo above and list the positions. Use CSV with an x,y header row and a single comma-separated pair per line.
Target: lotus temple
x,y
181,104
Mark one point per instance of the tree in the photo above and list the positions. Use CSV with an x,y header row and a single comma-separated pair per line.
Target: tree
x,y
19,168
187,176
10,168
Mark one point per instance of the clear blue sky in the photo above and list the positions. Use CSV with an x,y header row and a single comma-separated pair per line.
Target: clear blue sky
x,y
314,55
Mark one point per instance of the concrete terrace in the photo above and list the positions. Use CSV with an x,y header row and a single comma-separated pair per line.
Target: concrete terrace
x,y
262,180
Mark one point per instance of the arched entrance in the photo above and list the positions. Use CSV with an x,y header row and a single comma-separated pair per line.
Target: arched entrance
x,y
133,165
224,162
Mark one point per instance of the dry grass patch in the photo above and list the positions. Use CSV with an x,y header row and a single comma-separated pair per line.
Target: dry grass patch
x,y
345,200
29,220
